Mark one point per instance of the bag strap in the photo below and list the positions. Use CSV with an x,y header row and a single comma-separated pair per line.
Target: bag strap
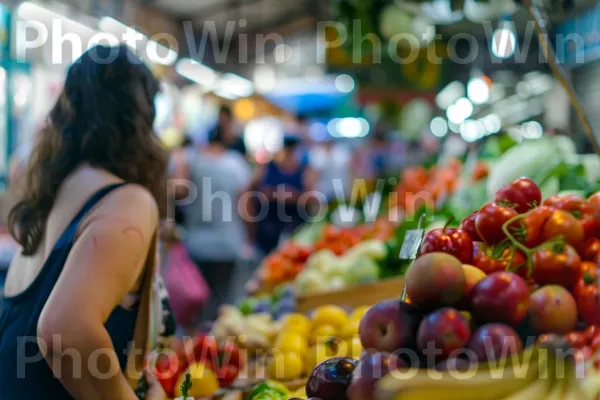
x,y
149,311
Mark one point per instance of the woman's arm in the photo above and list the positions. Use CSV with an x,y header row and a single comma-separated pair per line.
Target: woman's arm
x,y
104,265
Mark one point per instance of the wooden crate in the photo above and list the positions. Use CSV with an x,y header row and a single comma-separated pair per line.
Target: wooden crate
x,y
363,295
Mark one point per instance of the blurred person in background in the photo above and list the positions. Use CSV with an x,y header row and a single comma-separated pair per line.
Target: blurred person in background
x,y
215,233
86,224
306,142
178,167
331,161
372,161
229,132
283,181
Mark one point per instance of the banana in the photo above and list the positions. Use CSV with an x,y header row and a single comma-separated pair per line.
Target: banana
x,y
490,382
590,386
539,389
556,393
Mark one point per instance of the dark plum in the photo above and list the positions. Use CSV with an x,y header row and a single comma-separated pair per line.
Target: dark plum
x,y
330,379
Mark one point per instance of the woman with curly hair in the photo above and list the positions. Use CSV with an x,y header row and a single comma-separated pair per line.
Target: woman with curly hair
x,y
86,223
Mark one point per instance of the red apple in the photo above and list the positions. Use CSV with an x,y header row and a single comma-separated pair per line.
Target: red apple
x,y
447,329
494,342
501,297
388,326
552,310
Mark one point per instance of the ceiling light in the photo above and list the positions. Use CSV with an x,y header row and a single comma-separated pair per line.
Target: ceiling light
x,y
159,54
344,83
196,72
332,127
478,90
264,78
448,95
438,127
349,127
504,42
235,84
460,111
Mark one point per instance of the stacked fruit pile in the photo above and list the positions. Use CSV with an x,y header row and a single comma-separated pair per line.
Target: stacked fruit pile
x,y
517,275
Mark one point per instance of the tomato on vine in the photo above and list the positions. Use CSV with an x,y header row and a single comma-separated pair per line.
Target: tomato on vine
x,y
562,223
490,259
590,249
557,265
571,203
594,204
529,229
522,195
587,296
490,220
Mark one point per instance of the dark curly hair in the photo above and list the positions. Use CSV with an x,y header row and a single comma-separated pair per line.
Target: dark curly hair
x,y
104,117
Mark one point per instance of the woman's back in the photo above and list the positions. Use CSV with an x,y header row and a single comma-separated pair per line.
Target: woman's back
x,y
89,199
215,230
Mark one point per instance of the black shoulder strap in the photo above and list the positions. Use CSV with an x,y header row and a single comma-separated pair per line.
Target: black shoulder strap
x,y
88,206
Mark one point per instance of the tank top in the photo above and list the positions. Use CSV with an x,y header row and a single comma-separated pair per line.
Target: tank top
x,y
275,176
24,374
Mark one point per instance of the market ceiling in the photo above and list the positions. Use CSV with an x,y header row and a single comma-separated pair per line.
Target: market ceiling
x,y
261,16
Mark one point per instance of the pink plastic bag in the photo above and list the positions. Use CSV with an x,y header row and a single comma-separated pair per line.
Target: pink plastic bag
x,y
187,288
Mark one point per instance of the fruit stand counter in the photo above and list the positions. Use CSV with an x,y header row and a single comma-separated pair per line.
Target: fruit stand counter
x,y
362,295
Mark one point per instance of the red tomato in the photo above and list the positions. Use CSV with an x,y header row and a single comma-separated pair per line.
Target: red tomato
x,y
594,203
522,194
449,240
227,375
530,230
595,343
591,332
166,369
576,339
290,251
552,267
589,269
205,349
489,222
562,223
483,259
229,354
591,226
303,254
587,295
468,225
571,203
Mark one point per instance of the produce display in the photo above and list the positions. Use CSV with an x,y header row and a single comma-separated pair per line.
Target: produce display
x,y
439,182
324,270
510,297
207,364
336,251
498,293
